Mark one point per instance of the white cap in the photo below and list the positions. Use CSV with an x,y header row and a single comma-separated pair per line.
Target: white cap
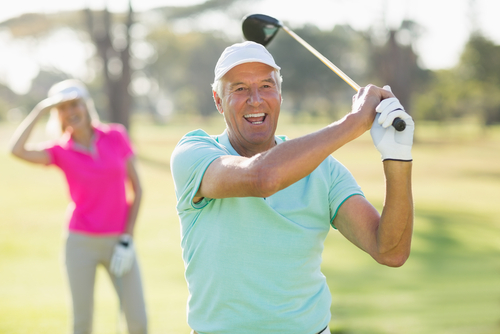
x,y
69,90
241,53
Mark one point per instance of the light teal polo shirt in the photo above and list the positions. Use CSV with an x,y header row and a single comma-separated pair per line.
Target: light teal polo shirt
x,y
253,264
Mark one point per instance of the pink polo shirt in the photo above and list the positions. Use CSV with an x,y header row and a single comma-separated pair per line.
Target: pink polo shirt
x,y
96,179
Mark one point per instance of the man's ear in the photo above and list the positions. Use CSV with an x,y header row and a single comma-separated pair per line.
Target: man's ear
x,y
218,102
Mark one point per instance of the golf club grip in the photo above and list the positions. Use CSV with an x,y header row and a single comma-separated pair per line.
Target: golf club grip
x,y
399,124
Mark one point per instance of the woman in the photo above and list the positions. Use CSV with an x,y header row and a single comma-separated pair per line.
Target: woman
x,y
98,161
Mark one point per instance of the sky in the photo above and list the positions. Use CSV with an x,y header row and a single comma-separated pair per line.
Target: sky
x,y
446,27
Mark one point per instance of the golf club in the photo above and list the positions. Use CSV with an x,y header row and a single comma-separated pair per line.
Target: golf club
x,y
262,28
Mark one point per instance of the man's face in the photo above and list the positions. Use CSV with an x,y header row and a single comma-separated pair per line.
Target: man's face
x,y
250,104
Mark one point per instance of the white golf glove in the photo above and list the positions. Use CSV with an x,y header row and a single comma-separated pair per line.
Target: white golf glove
x,y
392,144
123,256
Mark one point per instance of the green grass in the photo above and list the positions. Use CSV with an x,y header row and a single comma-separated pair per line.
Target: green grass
x,y
450,284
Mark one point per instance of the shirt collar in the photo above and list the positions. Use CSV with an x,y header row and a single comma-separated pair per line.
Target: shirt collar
x,y
223,139
68,142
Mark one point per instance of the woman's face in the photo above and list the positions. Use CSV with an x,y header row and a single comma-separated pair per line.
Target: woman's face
x,y
73,115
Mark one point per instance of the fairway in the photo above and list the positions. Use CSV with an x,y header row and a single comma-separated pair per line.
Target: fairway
x,y
450,283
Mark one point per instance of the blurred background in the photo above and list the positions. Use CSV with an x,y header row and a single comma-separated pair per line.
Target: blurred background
x,y
149,65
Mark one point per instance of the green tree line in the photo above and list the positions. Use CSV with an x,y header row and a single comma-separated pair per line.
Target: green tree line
x,y
170,69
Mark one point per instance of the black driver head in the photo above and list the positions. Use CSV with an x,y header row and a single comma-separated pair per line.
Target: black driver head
x,y
260,28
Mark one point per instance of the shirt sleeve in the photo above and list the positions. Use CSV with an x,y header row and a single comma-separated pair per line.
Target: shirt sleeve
x,y
189,161
53,151
342,186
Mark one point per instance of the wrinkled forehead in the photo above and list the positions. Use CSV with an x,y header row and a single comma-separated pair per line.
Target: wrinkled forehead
x,y
250,71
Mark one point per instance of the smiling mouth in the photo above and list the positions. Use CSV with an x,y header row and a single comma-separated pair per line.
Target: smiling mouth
x,y
255,119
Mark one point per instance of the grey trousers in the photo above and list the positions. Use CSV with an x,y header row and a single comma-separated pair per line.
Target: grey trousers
x,y
83,254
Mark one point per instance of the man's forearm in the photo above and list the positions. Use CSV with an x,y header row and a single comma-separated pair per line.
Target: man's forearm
x,y
297,158
396,223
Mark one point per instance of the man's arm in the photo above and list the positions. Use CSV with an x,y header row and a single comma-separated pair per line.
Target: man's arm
x,y
387,238
264,174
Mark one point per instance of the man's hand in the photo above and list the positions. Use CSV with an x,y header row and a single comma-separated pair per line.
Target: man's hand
x,y
123,256
364,103
392,144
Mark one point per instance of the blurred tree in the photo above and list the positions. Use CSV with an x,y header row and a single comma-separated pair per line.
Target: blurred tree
x,y
472,88
37,30
111,36
395,63
197,9
186,57
184,67
480,60
113,47
480,67
441,100
35,25
32,28
40,84
309,86
185,61
8,100
171,62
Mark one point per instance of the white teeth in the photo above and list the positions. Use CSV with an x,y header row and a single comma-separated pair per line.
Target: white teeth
x,y
254,115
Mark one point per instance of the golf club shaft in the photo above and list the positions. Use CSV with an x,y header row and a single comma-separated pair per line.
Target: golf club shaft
x,y
398,123
325,60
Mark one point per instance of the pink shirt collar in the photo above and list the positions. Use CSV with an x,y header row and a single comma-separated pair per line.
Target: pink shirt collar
x,y
67,142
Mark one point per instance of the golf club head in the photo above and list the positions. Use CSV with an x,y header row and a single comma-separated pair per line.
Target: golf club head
x,y
260,28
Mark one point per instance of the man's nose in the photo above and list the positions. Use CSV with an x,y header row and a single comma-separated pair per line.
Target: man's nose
x,y
254,98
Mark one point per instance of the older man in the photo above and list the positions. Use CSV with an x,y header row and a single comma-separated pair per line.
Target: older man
x,y
255,208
